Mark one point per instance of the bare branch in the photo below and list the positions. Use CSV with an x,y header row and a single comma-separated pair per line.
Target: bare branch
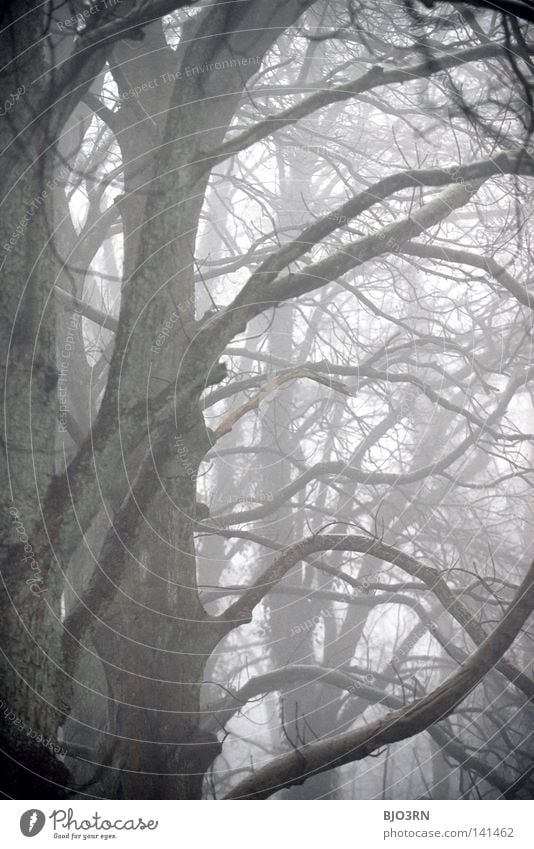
x,y
422,714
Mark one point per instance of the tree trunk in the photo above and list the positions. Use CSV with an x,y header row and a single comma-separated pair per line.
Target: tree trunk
x,y
34,694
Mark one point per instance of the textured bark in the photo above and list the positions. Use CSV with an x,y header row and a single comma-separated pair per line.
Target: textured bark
x,y
112,509
32,687
153,635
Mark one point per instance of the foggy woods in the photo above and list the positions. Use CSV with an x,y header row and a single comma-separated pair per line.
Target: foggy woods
x,y
266,324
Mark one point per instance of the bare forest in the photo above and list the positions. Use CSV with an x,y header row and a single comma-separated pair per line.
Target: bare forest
x,y
268,399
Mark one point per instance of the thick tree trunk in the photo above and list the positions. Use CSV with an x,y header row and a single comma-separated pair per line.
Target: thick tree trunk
x,y
160,639
33,692
155,641
155,637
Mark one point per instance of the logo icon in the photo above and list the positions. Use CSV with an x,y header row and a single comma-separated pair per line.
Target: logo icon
x,y
32,822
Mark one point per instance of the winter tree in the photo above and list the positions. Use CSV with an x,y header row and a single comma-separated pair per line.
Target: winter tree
x,y
266,328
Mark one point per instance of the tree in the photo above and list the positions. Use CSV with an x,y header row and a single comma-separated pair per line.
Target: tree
x,y
262,239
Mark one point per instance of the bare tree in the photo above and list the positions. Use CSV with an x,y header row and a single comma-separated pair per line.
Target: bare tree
x,y
266,336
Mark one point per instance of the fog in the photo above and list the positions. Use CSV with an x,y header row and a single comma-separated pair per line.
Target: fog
x,y
267,341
